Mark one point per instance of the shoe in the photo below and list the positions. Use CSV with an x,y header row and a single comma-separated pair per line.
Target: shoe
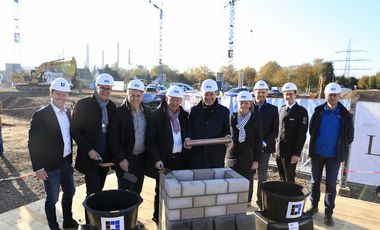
x,y
329,221
70,224
311,211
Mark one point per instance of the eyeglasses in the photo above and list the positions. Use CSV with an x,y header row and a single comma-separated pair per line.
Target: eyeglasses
x,y
105,88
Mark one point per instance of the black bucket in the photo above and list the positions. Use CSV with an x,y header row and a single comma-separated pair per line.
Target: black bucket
x,y
283,201
112,209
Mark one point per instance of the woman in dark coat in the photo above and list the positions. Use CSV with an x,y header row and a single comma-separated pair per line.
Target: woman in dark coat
x,y
246,129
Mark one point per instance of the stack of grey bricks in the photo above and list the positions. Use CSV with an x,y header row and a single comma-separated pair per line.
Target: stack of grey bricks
x,y
214,199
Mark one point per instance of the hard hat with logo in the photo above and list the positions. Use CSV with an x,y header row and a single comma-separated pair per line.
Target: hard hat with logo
x,y
244,96
333,88
104,79
209,85
289,86
60,84
136,84
261,85
174,91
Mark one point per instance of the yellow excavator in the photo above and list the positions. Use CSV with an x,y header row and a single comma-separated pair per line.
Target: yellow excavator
x,y
39,79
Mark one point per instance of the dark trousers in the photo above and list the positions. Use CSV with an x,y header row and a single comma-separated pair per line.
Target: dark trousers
x,y
61,177
95,182
174,162
262,175
286,170
332,169
136,167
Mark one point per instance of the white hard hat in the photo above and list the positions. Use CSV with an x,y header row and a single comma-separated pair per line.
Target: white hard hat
x,y
244,96
333,88
209,85
174,91
136,84
261,85
60,84
104,79
289,86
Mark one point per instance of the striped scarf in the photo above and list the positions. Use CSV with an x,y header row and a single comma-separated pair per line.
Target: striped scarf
x,y
241,122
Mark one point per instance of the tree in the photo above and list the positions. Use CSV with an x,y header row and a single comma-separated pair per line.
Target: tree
x,y
267,71
230,74
363,82
249,75
327,70
199,74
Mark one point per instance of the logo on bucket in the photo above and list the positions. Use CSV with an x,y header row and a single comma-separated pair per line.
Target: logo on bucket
x,y
114,223
294,209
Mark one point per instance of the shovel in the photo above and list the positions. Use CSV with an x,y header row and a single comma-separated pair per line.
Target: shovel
x,y
130,177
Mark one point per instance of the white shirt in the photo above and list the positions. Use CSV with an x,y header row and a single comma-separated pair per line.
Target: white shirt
x,y
64,125
177,140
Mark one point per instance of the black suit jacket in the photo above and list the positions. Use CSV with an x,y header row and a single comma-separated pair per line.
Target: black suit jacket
x,y
269,117
45,142
295,125
85,128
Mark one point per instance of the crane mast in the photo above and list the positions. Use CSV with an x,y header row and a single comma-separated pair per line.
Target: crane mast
x,y
231,28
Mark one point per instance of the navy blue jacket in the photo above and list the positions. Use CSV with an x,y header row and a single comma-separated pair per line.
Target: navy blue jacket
x,y
346,135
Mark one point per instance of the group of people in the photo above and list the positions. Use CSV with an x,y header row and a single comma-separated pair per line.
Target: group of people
x,y
146,142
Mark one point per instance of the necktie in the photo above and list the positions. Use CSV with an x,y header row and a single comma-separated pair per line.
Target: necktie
x,y
287,109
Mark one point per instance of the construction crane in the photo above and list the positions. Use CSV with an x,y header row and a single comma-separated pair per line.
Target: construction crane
x,y
160,67
231,4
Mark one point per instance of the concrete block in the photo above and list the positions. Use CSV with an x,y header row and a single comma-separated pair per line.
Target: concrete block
x,y
190,213
201,201
244,221
230,198
236,208
225,223
237,184
243,197
203,224
231,174
183,175
178,225
193,188
172,214
172,187
179,202
203,174
216,186
219,172
215,211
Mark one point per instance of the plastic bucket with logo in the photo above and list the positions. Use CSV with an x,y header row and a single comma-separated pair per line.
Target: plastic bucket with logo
x,y
283,201
113,209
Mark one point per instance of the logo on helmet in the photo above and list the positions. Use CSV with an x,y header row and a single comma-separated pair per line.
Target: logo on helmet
x,y
62,84
176,91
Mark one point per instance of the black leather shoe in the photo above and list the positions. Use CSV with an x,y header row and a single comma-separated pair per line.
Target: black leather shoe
x,y
329,221
70,224
311,211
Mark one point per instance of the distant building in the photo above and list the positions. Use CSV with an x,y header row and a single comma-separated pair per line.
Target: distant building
x,y
11,68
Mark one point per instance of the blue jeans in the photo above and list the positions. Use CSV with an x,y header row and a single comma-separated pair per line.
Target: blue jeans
x,y
332,169
1,143
64,177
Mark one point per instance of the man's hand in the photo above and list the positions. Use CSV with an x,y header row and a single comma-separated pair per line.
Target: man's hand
x,y
294,159
184,143
255,165
159,165
124,164
41,174
93,155
229,143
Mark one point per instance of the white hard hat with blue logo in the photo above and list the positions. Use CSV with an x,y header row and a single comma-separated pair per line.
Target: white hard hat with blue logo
x,y
104,79
60,84
174,91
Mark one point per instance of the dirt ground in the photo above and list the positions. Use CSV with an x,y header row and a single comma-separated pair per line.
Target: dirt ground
x,y
18,186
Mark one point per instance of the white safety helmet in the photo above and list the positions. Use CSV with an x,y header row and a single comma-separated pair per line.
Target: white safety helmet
x,y
60,84
244,96
289,86
333,88
104,79
136,84
209,85
174,91
261,85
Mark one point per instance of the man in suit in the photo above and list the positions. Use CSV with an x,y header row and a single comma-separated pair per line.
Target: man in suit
x,y
50,149
170,126
90,129
208,119
269,117
292,133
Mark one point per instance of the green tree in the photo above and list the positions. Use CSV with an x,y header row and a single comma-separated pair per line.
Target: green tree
x,y
199,74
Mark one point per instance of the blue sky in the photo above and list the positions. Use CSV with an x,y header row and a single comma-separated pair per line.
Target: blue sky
x,y
195,32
